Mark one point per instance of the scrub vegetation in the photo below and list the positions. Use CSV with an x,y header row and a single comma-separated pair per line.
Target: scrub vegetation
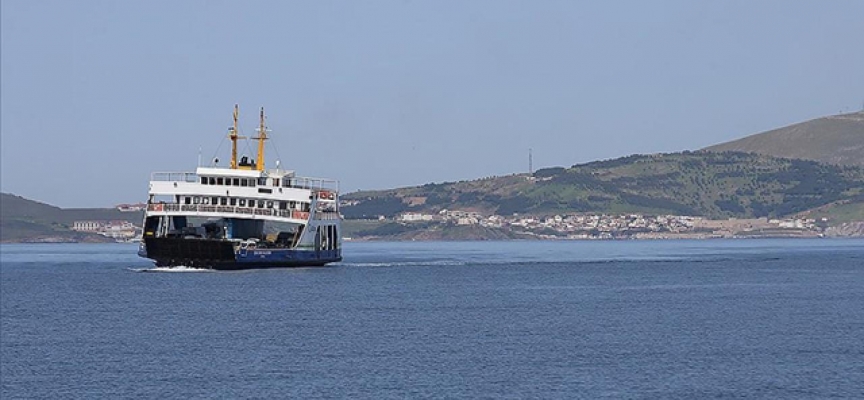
x,y
709,184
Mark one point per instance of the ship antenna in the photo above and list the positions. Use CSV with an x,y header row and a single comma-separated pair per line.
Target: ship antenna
x,y
233,136
262,136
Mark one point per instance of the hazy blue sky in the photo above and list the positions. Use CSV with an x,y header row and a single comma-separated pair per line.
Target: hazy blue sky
x,y
98,94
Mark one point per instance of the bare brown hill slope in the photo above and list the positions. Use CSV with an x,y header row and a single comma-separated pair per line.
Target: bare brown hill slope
x,y
836,139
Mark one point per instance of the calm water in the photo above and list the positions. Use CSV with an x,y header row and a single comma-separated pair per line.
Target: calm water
x,y
664,319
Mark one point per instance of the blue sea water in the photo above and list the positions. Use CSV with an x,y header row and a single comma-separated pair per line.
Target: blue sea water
x,y
618,319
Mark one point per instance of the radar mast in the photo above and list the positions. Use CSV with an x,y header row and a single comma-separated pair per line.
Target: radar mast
x,y
262,136
232,134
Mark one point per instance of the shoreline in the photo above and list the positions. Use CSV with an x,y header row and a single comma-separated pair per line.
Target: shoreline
x,y
392,240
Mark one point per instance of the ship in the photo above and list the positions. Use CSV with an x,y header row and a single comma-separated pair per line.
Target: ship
x,y
241,216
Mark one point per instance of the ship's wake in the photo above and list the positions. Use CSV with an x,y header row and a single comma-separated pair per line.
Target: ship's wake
x,y
172,269
402,263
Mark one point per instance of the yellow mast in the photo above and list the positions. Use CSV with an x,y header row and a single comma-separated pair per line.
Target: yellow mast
x,y
233,136
262,136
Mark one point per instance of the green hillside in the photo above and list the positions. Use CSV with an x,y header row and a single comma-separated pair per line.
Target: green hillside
x,y
710,184
20,208
837,139
16,207
27,220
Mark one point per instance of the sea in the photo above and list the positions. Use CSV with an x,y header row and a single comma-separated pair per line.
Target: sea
x,y
755,318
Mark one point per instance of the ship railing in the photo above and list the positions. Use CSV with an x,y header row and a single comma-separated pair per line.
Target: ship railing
x,y
311,183
327,215
174,176
297,182
269,212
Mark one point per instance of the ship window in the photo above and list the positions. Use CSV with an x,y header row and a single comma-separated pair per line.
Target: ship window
x,y
233,201
305,207
223,201
275,181
243,182
212,180
187,200
262,181
214,201
269,204
283,205
219,181
292,205
251,182
205,200
203,180
242,202
236,182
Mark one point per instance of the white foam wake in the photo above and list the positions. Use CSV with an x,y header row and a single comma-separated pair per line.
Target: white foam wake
x,y
402,263
175,269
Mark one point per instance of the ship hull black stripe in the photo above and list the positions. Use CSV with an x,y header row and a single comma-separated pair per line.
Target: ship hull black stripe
x,y
219,254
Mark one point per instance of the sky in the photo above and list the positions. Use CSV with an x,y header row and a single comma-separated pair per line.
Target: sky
x,y
96,95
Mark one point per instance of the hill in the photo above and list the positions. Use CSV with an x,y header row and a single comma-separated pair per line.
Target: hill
x,y
837,139
709,184
27,220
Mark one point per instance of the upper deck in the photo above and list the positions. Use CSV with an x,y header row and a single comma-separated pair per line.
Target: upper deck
x,y
233,193
259,184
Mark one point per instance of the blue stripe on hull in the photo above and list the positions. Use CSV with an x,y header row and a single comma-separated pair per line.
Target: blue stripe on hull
x,y
260,258
282,258
288,256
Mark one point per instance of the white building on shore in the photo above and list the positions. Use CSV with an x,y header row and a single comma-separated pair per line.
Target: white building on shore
x,y
118,230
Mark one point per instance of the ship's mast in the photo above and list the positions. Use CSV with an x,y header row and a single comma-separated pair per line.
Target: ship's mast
x,y
262,136
233,136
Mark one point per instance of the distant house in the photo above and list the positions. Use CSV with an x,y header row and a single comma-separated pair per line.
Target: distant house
x,y
415,217
119,230
131,207
87,226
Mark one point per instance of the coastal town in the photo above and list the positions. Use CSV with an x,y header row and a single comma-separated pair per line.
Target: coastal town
x,y
626,226
572,227
558,227
454,224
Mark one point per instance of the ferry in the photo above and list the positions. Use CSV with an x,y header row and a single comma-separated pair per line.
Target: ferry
x,y
241,216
